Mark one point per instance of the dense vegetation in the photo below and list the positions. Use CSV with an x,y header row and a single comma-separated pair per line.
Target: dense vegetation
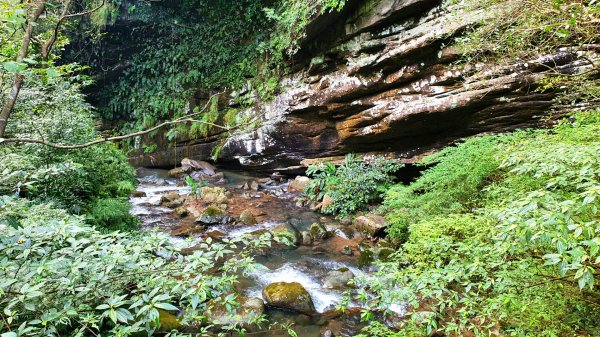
x,y
500,236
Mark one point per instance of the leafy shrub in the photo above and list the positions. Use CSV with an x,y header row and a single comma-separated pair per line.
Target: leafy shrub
x,y
352,185
451,186
60,276
512,250
56,111
111,214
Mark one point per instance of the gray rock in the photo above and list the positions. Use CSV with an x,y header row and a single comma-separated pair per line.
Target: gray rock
x,y
371,224
338,279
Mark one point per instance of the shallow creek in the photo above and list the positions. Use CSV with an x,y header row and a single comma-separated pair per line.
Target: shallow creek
x,y
307,265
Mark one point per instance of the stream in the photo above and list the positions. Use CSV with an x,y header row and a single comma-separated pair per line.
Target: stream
x,y
306,264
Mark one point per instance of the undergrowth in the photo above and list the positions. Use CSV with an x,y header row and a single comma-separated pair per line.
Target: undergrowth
x,y
500,237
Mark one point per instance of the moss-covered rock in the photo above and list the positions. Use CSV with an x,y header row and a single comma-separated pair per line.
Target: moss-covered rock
x,y
247,218
289,296
212,215
288,228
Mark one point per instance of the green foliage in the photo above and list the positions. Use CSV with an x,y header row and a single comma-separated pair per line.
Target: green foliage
x,y
524,30
512,250
352,185
110,214
452,185
195,187
242,45
60,277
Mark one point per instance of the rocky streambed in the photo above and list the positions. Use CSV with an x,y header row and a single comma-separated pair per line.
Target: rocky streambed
x,y
302,284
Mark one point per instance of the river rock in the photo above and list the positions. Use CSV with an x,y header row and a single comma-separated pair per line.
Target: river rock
x,y
177,172
212,215
338,279
168,197
319,232
138,194
181,212
289,296
299,184
247,218
249,308
371,224
254,185
186,230
175,203
215,195
288,228
189,165
306,238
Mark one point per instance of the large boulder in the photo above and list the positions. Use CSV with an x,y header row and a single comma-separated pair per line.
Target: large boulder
x,y
338,279
371,224
189,165
212,215
289,296
249,309
168,197
299,184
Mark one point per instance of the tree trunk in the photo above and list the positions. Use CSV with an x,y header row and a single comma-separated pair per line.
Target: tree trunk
x,y
9,105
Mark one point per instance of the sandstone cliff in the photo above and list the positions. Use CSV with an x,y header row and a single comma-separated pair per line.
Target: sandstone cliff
x,y
381,77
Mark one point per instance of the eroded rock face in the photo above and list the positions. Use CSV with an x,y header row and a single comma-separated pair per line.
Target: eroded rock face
x,y
289,296
385,83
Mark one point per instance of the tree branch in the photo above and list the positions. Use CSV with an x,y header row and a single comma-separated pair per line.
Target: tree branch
x,y
47,47
183,119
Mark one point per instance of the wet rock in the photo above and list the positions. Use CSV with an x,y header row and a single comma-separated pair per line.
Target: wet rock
x,y
347,251
138,194
299,184
288,228
306,238
370,255
168,197
249,308
276,176
246,186
338,279
175,203
215,195
218,176
216,235
254,185
247,218
189,165
212,215
289,296
187,230
181,212
371,224
318,232
177,172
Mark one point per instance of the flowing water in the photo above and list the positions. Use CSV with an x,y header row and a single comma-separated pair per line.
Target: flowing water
x,y
306,265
